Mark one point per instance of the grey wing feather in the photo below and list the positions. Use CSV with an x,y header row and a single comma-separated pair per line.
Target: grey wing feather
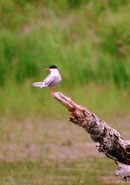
x,y
45,83
48,80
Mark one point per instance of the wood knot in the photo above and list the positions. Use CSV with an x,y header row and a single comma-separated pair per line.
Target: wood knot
x,y
128,149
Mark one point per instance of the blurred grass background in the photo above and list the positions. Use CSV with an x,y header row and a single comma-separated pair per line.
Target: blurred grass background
x,y
89,41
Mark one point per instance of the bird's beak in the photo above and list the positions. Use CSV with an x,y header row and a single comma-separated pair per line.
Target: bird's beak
x,y
47,69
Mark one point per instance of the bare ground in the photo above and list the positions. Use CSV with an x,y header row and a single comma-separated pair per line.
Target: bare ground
x,y
56,140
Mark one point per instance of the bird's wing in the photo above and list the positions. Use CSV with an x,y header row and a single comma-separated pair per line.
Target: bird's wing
x,y
45,83
49,80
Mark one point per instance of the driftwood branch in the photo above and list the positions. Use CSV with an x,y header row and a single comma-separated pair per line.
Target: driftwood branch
x,y
108,139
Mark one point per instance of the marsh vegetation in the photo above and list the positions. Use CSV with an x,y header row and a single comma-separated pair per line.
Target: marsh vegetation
x,y
90,43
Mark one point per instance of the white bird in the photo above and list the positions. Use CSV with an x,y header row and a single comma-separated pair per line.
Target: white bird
x,y
52,80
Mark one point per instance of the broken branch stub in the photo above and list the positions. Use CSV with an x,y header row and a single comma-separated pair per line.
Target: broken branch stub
x,y
109,140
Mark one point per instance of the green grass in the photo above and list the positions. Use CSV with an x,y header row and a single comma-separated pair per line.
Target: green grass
x,y
91,38
24,57
91,171
87,40
25,101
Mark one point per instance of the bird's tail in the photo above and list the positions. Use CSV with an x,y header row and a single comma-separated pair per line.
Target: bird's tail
x,y
38,84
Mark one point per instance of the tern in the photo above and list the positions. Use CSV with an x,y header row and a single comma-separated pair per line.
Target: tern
x,y
52,80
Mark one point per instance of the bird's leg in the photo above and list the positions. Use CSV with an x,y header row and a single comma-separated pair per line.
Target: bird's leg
x,y
52,89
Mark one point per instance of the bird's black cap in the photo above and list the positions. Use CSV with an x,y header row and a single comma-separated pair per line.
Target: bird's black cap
x,y
52,67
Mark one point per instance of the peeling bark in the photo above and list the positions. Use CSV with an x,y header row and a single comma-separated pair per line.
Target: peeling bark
x,y
108,140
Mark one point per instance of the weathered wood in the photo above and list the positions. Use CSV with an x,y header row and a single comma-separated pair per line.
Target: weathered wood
x,y
107,139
